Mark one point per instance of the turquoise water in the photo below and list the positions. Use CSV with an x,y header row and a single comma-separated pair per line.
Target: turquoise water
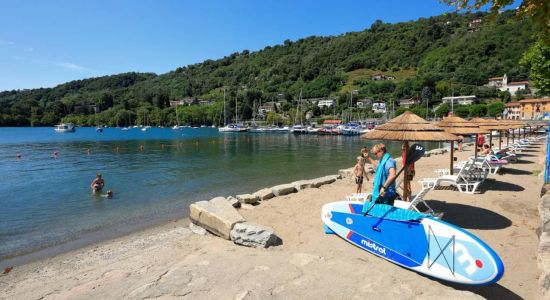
x,y
47,201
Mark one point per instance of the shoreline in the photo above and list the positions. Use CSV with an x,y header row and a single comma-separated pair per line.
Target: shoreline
x,y
169,260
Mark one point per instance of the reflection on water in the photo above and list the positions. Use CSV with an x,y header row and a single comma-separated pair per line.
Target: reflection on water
x,y
46,201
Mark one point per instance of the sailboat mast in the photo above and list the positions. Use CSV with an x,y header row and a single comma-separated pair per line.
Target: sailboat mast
x,y
224,118
236,111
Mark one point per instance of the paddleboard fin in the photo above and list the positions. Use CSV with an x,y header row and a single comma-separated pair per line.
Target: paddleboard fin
x,y
328,230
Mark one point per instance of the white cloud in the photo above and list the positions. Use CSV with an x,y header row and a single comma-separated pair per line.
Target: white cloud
x,y
30,49
71,66
5,43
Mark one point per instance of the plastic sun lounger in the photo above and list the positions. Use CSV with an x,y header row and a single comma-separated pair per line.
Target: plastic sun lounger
x,y
463,180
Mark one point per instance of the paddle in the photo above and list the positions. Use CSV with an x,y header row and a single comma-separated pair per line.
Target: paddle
x,y
415,152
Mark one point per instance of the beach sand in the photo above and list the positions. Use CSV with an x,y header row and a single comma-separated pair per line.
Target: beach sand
x,y
169,261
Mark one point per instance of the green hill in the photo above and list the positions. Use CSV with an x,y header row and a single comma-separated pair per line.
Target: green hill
x,y
429,52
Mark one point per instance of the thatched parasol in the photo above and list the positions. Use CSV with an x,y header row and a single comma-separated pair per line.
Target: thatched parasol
x,y
490,124
512,124
408,127
459,126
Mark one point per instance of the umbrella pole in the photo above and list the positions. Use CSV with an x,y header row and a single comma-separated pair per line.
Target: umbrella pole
x,y
452,157
507,137
475,148
406,190
500,139
491,139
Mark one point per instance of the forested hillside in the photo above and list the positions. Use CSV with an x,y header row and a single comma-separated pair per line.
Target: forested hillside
x,y
431,58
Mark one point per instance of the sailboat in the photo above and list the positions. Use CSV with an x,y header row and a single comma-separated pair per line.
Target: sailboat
x,y
231,127
145,127
177,126
299,128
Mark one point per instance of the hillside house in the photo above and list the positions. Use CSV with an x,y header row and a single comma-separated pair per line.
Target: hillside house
x,y
460,100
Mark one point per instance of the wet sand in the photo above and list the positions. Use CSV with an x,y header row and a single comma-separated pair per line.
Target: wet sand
x,y
171,262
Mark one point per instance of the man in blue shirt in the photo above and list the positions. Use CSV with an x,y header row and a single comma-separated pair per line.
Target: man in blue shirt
x,y
384,183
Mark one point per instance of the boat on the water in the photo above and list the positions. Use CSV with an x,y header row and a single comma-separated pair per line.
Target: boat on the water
x,y
65,127
299,129
233,128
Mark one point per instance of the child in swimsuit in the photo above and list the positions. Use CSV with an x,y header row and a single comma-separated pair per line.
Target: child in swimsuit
x,y
359,173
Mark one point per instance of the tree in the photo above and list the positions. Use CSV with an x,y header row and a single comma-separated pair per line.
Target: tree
x,y
478,110
442,110
537,60
426,95
462,111
537,10
495,109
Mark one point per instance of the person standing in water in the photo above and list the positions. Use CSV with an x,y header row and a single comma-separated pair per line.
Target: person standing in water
x,y
97,184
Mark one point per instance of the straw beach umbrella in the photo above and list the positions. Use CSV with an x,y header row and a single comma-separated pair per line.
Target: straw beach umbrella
x,y
458,126
490,125
409,127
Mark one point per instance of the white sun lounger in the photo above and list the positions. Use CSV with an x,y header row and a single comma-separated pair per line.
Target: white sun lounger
x,y
466,180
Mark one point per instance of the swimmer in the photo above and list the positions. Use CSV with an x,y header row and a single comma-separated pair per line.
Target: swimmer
x,y
97,184
89,151
18,155
55,154
140,147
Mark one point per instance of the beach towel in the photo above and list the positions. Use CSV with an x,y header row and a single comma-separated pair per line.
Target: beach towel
x,y
380,178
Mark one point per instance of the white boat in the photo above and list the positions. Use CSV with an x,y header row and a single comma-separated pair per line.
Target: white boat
x,y
176,127
233,128
313,130
257,129
125,128
65,127
298,129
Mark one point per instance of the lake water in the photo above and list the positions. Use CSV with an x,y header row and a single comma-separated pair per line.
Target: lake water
x,y
47,201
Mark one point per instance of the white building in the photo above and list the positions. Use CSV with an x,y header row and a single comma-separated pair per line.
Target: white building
x,y
461,100
379,107
326,103
502,84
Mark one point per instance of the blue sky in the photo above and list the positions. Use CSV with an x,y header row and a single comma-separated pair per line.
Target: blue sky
x,y
45,43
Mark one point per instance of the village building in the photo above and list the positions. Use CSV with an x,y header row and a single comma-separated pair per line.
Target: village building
x,y
184,101
407,103
363,103
268,107
502,84
534,109
474,25
512,111
382,77
379,107
326,103
460,100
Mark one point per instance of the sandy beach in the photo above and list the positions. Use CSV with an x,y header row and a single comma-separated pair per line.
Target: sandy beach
x,y
170,261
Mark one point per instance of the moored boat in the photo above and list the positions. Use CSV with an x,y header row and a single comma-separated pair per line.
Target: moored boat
x,y
65,127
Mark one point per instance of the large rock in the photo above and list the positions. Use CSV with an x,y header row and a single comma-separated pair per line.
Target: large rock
x,y
254,235
216,216
346,172
264,194
302,184
247,198
234,201
283,189
317,182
